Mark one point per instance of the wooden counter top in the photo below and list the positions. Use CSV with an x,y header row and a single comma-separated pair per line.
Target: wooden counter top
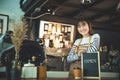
x,y
72,78
62,79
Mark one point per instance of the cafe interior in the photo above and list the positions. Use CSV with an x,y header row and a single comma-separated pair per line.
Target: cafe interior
x,y
36,37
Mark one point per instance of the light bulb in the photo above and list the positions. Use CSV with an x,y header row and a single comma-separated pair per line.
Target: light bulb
x,y
87,1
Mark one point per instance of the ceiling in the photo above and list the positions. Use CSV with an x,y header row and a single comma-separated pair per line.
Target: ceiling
x,y
104,14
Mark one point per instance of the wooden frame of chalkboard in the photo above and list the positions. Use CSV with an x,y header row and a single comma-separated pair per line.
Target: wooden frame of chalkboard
x,y
90,65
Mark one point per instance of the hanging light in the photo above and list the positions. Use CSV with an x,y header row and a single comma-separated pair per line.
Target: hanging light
x,y
48,9
87,1
118,7
37,9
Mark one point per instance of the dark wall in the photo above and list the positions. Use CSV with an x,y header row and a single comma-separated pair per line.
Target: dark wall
x,y
109,38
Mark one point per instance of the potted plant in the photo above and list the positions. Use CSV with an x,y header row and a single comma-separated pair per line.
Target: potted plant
x,y
18,37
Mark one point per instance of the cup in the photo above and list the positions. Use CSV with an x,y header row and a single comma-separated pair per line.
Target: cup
x,y
77,73
42,72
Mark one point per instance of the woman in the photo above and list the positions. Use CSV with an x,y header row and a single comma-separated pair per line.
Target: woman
x,y
86,44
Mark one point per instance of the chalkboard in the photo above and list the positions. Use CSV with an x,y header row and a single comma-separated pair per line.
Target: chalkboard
x,y
90,66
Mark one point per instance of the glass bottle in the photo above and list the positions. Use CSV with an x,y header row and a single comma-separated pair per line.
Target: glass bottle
x,y
51,43
16,69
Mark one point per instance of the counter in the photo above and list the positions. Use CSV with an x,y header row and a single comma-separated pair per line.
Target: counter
x,y
52,75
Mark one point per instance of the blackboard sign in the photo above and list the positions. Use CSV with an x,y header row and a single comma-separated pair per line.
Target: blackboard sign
x,y
90,66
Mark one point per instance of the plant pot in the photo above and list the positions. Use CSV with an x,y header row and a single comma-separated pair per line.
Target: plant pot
x,y
15,74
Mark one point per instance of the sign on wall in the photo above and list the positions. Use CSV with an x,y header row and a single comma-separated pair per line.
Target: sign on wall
x,y
90,66
3,23
61,35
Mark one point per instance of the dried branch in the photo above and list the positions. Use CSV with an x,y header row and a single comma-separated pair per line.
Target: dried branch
x,y
19,34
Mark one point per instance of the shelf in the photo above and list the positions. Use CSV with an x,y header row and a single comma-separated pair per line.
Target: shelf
x,y
57,52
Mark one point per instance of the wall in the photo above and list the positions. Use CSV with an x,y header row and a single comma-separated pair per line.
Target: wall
x,y
109,38
12,9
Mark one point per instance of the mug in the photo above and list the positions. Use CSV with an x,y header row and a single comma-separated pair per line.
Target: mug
x,y
77,73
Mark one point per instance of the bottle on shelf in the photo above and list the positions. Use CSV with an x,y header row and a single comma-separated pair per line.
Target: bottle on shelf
x,y
51,44
61,44
34,60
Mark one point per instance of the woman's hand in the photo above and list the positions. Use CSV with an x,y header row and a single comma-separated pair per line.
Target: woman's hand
x,y
83,47
81,52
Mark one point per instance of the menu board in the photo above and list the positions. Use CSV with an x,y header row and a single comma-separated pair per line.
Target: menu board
x,y
56,35
90,66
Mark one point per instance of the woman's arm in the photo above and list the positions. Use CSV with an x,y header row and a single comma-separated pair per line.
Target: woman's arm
x,y
95,43
72,56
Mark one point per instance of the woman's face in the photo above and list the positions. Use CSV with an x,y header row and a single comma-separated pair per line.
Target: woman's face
x,y
83,28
